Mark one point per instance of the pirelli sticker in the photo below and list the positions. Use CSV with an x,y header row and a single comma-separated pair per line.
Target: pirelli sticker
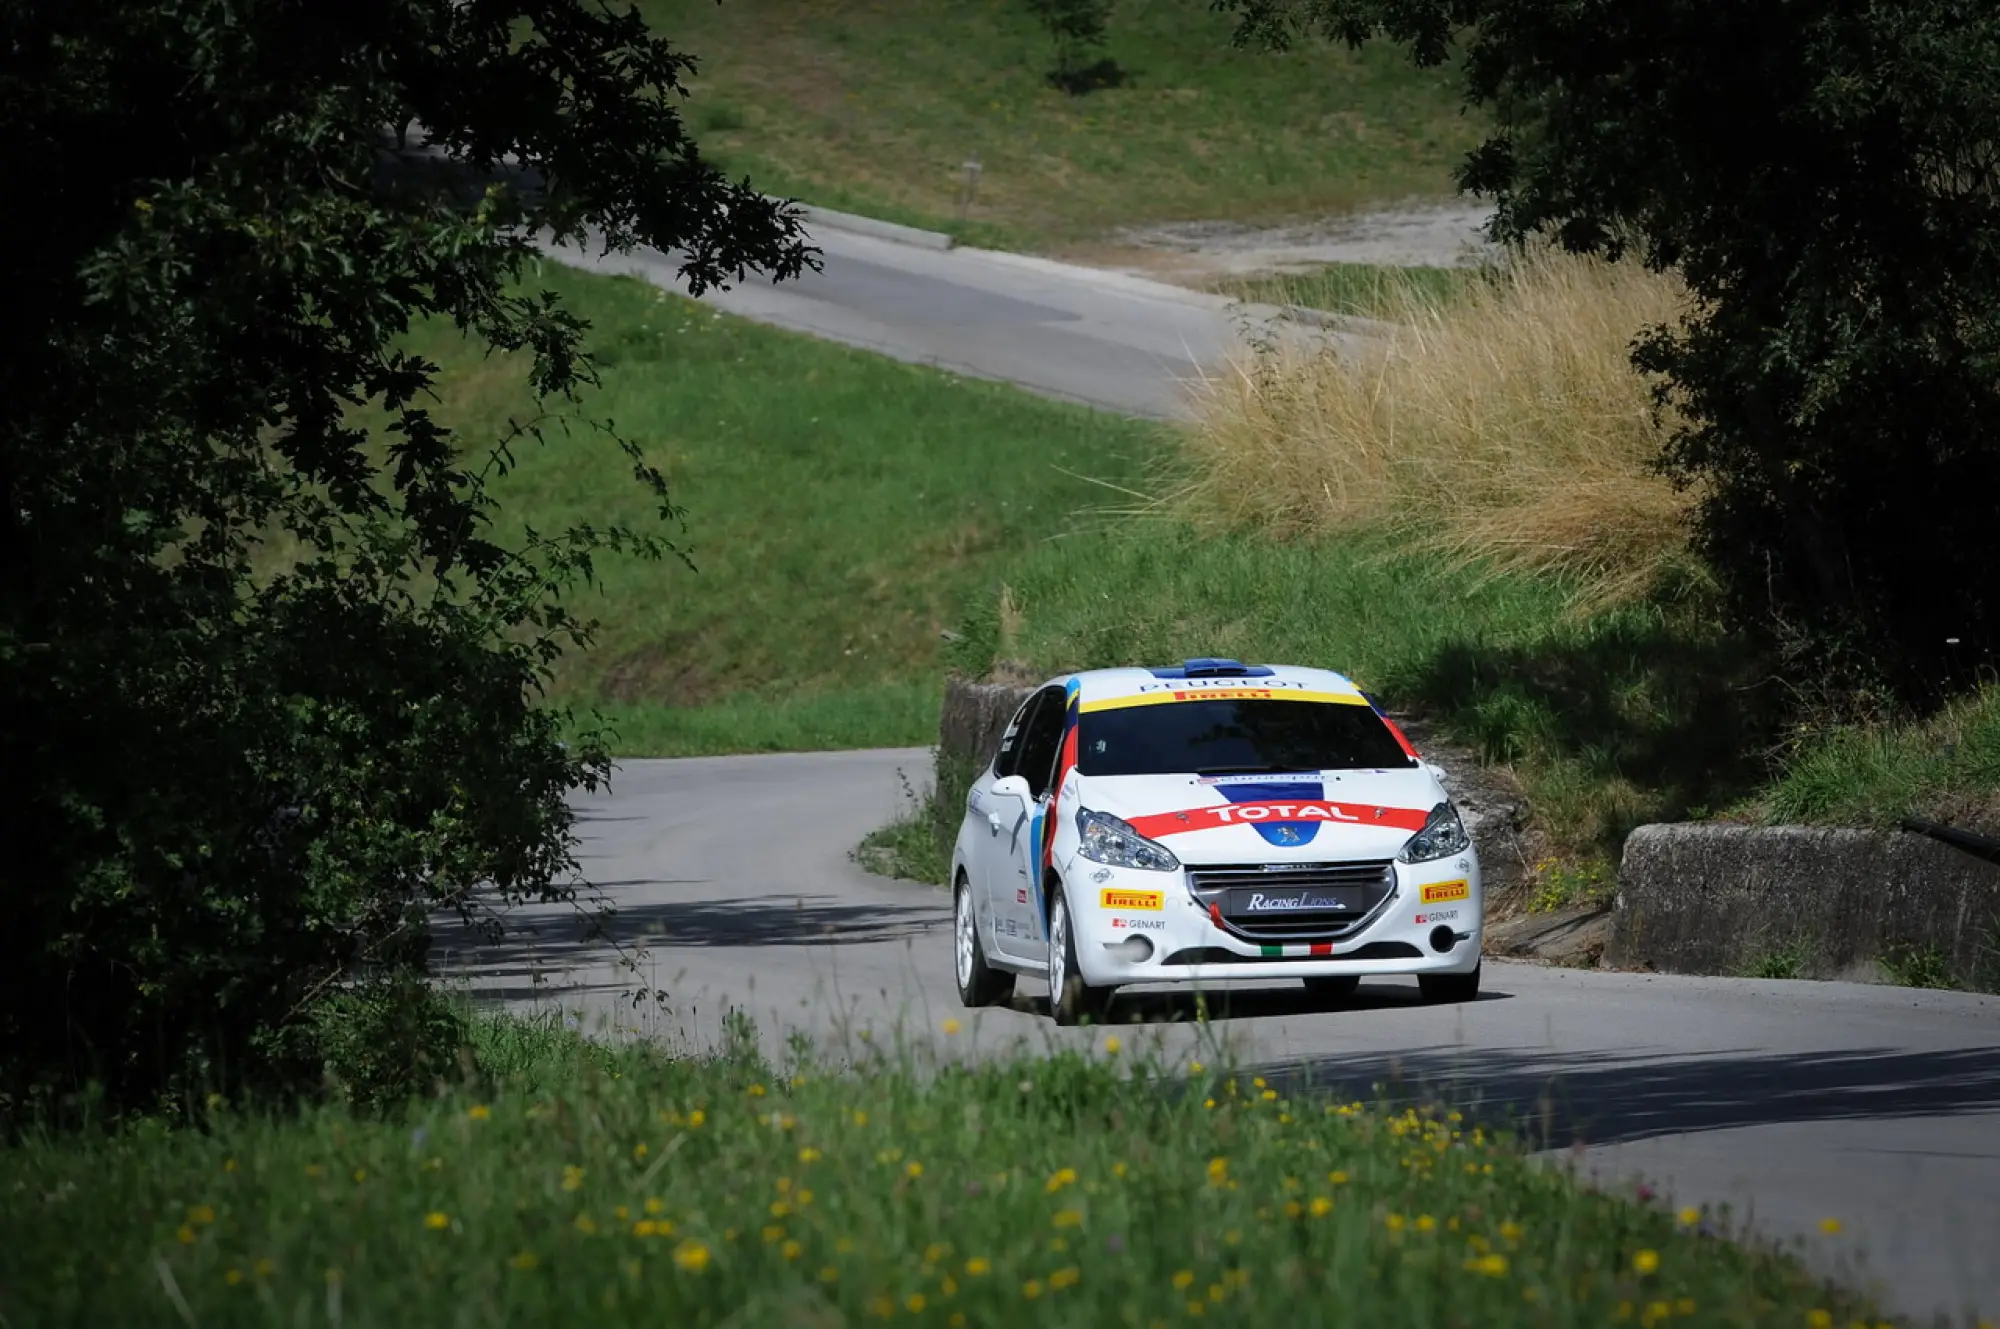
x,y
1223,694
1444,892
1149,901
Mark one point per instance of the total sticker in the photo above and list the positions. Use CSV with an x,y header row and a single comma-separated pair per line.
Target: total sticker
x,y
1443,892
1149,901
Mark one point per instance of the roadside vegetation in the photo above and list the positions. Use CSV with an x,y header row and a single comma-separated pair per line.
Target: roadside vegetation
x,y
1364,290
840,508
559,1182
875,107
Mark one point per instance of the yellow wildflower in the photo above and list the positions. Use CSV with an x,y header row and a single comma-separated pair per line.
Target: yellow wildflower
x,y
913,1169
586,1224
1063,1177
1830,1226
1066,1277
186,1234
1111,1045
1182,1279
479,1112
1069,1218
978,1265
951,1027
915,1301
524,1261
696,1118
809,1155
1646,1262
1032,1288
790,1250
692,1256
1321,1206
437,1221
1493,1266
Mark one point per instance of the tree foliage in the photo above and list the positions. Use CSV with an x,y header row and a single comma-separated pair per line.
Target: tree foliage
x,y
271,673
1823,173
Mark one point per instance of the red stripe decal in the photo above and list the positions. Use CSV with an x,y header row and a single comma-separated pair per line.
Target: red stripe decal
x,y
1322,948
1230,814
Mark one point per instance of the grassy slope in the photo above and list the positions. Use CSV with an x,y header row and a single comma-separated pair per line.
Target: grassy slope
x,y
610,1188
840,508
874,105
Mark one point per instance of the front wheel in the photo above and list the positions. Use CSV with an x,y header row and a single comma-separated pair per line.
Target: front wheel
x,y
1071,1000
1442,988
979,984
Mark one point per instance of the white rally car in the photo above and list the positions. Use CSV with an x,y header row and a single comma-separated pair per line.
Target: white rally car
x,y
1207,822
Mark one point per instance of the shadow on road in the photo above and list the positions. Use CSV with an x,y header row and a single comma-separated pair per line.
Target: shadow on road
x,y
545,946
1158,1006
1607,1098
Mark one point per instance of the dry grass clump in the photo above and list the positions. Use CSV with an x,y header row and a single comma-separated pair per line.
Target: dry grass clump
x,y
1503,426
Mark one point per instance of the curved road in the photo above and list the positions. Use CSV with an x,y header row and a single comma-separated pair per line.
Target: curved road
x,y
1104,339
1792,1102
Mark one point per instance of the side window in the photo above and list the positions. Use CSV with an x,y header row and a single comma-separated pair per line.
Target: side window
x,y
1041,738
1007,758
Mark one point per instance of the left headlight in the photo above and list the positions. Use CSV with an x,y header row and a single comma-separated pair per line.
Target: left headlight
x,y
1106,839
1443,835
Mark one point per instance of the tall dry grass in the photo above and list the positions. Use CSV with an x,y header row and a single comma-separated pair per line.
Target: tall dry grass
x,y
1504,426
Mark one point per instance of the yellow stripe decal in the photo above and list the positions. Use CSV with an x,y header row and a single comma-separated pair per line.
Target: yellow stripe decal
x,y
1223,694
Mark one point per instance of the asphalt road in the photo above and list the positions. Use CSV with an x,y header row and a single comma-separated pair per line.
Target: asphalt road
x,y
1105,339
1792,1102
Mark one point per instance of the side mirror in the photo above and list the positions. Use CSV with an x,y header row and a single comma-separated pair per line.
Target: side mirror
x,y
1014,786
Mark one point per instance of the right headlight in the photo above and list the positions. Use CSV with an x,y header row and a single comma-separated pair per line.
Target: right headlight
x,y
1442,836
1103,838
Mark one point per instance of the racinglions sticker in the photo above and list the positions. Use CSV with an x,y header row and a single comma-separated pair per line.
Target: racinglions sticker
x,y
1150,901
1444,892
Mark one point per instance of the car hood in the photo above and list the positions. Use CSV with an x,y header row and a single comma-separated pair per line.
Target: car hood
x,y
1318,816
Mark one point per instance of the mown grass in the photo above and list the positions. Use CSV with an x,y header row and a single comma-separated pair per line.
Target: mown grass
x,y
875,106
618,1186
839,509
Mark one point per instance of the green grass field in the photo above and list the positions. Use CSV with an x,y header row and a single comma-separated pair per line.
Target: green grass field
x,y
875,105
616,1186
840,508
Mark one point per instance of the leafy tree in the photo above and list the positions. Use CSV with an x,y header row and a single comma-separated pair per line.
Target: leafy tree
x,y
269,672
1077,27
1823,173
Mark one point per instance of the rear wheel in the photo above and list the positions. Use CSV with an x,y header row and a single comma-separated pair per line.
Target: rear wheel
x,y
979,984
1071,1000
1336,988
1441,988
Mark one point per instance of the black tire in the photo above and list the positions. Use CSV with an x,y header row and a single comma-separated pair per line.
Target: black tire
x,y
1439,989
1071,1000
1340,987
979,984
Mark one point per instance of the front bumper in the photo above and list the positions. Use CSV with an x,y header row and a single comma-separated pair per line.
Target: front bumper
x,y
1183,941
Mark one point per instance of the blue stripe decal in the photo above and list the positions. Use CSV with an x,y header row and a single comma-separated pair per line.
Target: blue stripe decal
x,y
1286,834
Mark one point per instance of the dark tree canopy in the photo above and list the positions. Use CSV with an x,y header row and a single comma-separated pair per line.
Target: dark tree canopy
x,y
1826,175
269,677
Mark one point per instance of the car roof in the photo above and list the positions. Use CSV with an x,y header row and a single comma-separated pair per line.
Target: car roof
x,y
1106,689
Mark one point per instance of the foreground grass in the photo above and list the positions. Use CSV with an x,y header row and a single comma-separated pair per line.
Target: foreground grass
x,y
875,106
613,1187
840,509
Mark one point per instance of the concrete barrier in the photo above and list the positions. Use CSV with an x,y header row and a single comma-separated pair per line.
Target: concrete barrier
x,y
973,717
1704,898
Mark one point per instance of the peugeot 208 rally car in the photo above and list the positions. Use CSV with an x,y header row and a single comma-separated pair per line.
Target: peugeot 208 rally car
x,y
1204,822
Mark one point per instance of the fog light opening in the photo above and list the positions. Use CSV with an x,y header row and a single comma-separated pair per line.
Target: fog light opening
x,y
1132,950
1443,939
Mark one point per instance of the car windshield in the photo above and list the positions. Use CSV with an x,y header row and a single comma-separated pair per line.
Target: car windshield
x,y
1236,737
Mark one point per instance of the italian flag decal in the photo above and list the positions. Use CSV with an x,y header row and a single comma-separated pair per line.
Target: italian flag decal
x,y
1323,948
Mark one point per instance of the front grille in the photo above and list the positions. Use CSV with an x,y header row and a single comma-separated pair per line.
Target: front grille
x,y
1282,902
